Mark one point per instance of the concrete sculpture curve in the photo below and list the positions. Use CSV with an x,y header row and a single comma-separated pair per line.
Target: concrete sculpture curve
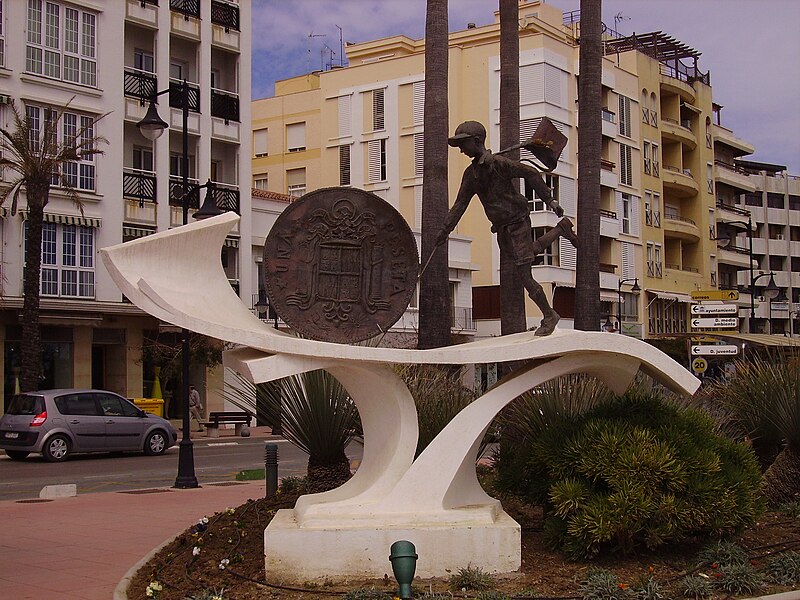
x,y
434,501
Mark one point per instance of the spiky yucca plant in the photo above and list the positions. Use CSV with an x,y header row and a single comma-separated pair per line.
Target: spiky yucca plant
x,y
765,398
37,154
316,414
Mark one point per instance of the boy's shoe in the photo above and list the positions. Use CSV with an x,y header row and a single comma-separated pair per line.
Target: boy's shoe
x,y
548,324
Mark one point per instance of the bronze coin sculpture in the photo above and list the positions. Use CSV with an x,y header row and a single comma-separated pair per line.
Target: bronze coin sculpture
x,y
340,265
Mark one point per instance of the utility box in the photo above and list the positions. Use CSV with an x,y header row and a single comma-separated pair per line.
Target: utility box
x,y
152,405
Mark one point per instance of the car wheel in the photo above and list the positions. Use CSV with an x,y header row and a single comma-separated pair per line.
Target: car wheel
x,y
17,454
56,448
156,443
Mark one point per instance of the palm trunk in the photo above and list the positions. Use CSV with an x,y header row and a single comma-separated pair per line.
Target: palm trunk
x,y
324,476
31,344
782,478
434,297
512,297
587,281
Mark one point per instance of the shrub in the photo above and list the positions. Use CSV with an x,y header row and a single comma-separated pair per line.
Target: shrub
x,y
471,578
694,586
492,595
784,569
648,588
636,470
367,594
723,554
738,579
601,584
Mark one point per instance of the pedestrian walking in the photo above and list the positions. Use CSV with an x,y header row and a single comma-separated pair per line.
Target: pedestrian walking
x,y
195,407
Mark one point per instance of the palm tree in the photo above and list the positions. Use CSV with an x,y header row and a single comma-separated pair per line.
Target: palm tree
x,y
512,298
587,283
317,416
37,155
434,297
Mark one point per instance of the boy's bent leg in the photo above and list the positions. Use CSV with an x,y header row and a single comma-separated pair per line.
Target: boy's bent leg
x,y
549,317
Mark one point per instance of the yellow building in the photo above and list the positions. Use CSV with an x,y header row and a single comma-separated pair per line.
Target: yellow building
x,y
362,125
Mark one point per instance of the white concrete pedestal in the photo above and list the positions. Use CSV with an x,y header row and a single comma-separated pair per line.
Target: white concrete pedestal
x,y
294,554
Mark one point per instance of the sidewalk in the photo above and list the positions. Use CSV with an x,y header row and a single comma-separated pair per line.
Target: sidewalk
x,y
81,547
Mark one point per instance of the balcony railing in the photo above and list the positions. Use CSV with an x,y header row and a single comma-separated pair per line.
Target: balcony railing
x,y
674,217
606,165
175,95
226,197
224,105
733,208
461,318
139,84
713,278
652,218
177,193
225,14
140,185
153,2
654,269
609,116
609,214
189,8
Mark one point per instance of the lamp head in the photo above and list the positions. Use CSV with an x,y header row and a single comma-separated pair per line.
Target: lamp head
x,y
636,289
152,126
209,208
772,290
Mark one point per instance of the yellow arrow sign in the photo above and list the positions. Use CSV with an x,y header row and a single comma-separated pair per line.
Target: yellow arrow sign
x,y
715,295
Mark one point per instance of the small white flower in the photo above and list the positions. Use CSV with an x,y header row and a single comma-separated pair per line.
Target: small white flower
x,y
223,564
203,521
230,511
196,551
149,592
157,586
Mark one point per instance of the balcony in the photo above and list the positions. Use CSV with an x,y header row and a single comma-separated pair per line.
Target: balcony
x,y
226,197
188,8
682,228
736,212
607,176
185,18
725,136
461,318
144,12
734,256
177,194
139,185
175,93
609,123
678,132
733,176
680,182
224,105
609,225
224,14
139,84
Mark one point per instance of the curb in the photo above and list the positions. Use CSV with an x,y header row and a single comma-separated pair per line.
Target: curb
x,y
121,590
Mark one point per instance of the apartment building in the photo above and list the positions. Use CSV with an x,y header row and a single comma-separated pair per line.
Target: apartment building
x,y
110,57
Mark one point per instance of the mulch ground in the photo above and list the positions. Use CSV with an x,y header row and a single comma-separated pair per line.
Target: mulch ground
x,y
237,536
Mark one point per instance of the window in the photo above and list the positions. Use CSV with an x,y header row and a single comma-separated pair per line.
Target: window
x,y
261,182
296,182
176,165
67,260
709,139
79,174
116,407
753,199
344,164
625,116
143,61
645,110
536,204
376,157
143,158
626,213
418,102
260,142
378,120
2,38
625,167
646,157
550,254
654,158
77,404
61,42
296,137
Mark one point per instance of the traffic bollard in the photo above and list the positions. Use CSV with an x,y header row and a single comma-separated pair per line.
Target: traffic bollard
x,y
271,468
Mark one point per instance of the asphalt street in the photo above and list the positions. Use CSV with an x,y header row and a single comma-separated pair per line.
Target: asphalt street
x,y
214,461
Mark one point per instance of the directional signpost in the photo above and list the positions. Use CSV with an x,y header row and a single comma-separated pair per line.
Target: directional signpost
x,y
714,309
720,350
715,322
715,295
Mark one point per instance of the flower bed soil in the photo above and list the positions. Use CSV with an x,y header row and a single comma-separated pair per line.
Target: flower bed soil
x,y
237,535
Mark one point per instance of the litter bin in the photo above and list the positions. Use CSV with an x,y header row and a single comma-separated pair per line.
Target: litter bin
x,y
151,405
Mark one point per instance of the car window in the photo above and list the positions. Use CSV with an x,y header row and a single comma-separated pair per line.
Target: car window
x,y
76,404
25,404
114,406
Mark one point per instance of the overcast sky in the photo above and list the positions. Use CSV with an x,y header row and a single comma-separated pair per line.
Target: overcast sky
x,y
751,47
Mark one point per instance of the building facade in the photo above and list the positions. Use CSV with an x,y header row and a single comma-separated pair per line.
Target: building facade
x,y
106,59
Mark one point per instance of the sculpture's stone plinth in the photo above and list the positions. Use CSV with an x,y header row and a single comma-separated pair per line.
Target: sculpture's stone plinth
x,y
292,552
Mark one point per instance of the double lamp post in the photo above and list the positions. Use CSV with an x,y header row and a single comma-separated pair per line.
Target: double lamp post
x,y
151,127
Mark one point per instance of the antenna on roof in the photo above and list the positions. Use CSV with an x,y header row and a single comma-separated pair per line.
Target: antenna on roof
x,y
308,59
341,46
618,18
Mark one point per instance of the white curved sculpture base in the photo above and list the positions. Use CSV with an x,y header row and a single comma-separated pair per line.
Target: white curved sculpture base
x,y
434,501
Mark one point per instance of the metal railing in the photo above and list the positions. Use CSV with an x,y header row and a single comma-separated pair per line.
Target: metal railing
x,y
673,217
177,193
607,165
609,116
189,8
733,208
652,218
176,94
225,14
224,105
461,318
654,269
140,185
139,84
226,197
609,214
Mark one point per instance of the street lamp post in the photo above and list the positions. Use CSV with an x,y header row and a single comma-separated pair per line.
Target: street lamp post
x,y
771,291
151,127
635,289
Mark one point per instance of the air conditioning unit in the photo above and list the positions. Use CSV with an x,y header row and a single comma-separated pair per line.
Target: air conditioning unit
x,y
779,236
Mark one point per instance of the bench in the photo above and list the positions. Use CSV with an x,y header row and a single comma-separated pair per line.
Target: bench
x,y
215,419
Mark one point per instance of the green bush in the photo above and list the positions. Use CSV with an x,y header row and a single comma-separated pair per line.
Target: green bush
x,y
723,553
739,579
635,470
472,579
784,569
694,586
601,584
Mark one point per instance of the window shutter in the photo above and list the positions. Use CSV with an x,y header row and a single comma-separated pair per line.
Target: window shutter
x,y
568,255
636,215
295,177
418,206
419,154
260,142
374,160
625,167
531,83
345,119
620,209
554,85
377,109
296,137
418,102
344,164
625,116
628,260
567,196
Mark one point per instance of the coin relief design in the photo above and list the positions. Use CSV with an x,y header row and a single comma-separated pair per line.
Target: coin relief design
x,y
340,265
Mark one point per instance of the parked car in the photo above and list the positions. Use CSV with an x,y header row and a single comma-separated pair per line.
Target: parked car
x,y
58,423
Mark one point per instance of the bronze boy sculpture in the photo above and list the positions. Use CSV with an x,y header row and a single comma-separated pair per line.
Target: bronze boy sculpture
x,y
490,177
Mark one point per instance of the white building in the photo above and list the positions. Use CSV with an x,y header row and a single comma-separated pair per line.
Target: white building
x,y
107,57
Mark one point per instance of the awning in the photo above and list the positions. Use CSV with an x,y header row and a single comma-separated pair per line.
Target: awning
x,y
136,232
81,220
609,296
762,339
675,296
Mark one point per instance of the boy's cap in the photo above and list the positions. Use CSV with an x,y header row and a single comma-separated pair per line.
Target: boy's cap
x,y
468,129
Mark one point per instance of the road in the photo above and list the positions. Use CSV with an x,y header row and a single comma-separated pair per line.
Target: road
x,y
214,461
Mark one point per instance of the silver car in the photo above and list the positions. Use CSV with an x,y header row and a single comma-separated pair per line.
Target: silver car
x,y
58,423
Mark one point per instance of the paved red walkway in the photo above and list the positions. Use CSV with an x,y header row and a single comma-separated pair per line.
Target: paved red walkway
x,y
81,547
